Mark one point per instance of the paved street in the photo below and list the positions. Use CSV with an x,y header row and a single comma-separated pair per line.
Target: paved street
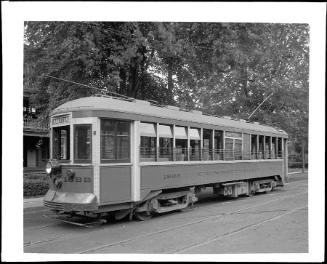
x,y
275,222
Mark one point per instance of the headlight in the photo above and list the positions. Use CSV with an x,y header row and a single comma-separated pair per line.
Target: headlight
x,y
53,167
48,168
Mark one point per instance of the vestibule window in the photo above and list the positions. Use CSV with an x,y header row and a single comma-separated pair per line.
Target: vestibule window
x,y
115,141
82,143
60,143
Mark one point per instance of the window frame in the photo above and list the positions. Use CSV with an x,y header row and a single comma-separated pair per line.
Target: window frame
x,y
233,138
115,136
76,160
68,129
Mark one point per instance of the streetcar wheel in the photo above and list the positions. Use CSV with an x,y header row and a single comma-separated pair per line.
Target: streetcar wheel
x,y
142,216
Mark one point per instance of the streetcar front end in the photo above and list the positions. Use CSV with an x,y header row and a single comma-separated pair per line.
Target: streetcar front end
x,y
70,179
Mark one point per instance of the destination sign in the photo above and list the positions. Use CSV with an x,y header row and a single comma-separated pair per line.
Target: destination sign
x,y
60,119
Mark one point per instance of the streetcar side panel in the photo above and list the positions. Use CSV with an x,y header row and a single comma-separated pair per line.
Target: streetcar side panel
x,y
156,177
115,184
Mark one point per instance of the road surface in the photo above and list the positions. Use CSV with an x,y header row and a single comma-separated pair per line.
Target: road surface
x,y
275,222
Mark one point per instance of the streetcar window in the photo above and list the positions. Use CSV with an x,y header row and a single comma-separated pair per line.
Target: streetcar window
x,y
115,141
60,142
195,148
246,146
237,149
219,145
260,154
195,144
180,143
207,144
273,148
254,147
229,155
165,135
82,143
233,145
267,148
279,154
165,149
148,147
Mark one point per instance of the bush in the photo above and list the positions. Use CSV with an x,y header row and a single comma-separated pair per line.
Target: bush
x,y
35,185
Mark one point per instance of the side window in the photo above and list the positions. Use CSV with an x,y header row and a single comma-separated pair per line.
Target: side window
x,y
61,142
267,148
261,146
165,143
207,144
229,149
181,150
254,147
219,145
233,145
115,141
148,144
83,143
195,144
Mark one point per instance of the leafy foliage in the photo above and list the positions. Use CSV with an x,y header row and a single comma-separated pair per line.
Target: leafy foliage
x,y
221,68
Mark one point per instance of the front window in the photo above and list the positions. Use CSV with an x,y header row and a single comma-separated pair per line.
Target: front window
x,y
82,143
115,141
60,143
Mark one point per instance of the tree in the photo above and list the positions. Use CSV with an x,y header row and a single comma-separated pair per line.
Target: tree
x,y
221,68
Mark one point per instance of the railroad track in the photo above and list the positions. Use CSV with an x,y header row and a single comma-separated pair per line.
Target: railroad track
x,y
236,231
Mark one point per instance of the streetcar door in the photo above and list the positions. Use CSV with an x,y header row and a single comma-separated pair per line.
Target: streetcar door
x,y
115,161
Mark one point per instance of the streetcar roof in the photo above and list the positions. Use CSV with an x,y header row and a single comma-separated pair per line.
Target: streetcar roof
x,y
142,108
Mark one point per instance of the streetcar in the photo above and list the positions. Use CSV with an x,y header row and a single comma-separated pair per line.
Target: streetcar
x,y
117,157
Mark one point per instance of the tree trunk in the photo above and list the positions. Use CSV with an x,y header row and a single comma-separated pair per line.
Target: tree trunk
x,y
244,79
132,79
303,156
122,84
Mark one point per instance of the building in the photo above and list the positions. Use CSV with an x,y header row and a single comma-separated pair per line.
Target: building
x,y
36,138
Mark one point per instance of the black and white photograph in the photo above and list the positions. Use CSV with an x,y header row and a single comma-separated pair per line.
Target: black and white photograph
x,y
163,131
